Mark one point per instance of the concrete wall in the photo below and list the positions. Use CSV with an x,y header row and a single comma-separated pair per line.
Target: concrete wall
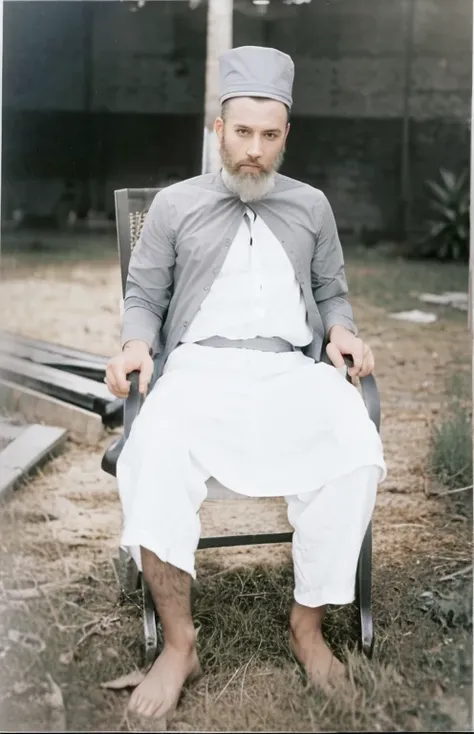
x,y
66,56
350,89
95,91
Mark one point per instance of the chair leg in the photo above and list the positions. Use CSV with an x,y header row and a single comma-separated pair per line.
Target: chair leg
x,y
127,572
364,584
149,624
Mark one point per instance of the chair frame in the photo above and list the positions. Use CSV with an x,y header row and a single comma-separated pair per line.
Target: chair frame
x,y
129,202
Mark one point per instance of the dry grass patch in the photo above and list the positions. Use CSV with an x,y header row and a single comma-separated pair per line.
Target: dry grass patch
x,y
83,634
66,620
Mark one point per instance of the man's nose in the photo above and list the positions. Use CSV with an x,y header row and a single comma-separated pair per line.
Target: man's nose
x,y
255,148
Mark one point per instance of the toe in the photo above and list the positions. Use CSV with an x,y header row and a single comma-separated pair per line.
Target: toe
x,y
149,710
337,671
132,703
140,706
157,711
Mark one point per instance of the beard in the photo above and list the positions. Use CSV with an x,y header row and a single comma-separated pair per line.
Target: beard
x,y
246,185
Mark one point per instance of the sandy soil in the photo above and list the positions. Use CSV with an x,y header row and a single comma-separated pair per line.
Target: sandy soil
x,y
70,515
79,305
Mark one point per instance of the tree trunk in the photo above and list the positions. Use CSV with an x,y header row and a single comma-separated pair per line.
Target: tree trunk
x,y
219,40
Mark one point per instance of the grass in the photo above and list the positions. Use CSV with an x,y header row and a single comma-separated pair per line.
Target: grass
x,y
251,682
383,279
30,248
418,680
451,443
395,283
451,457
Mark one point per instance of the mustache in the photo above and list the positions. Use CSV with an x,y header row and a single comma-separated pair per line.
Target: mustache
x,y
250,163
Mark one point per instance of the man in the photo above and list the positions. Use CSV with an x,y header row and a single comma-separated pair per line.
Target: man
x,y
237,283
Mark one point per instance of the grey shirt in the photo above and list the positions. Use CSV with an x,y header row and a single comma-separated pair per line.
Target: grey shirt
x,y
185,239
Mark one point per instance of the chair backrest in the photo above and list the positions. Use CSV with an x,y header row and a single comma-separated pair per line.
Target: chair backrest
x,y
131,207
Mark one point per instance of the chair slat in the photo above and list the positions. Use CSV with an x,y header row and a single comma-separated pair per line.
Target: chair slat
x,y
131,208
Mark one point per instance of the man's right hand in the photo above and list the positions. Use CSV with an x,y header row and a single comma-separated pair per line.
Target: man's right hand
x,y
135,356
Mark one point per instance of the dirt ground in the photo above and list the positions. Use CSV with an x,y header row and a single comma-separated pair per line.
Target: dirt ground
x,y
64,629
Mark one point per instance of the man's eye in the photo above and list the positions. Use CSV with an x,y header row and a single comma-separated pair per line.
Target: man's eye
x,y
271,136
241,131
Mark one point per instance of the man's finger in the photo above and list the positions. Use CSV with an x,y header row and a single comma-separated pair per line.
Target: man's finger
x,y
335,355
368,364
120,395
358,357
146,373
116,381
121,382
115,391
109,380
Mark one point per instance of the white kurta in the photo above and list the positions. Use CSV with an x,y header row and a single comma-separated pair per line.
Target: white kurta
x,y
261,423
255,294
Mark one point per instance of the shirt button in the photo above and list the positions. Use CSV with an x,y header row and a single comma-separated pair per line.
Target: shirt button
x,y
206,288
185,323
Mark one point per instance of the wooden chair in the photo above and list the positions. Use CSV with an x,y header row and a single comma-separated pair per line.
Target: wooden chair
x,y
131,206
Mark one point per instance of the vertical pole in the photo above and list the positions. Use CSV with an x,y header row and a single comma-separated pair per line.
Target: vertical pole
x,y
1,104
406,187
219,40
471,232
471,255
87,92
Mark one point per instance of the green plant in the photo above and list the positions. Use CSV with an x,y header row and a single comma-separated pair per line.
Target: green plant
x,y
451,446
447,237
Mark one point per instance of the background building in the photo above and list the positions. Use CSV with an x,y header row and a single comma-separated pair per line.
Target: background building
x,y
99,95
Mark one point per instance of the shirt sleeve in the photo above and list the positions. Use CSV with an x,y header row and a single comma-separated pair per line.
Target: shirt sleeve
x,y
150,277
328,278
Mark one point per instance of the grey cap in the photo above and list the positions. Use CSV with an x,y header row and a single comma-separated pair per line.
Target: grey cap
x,y
256,71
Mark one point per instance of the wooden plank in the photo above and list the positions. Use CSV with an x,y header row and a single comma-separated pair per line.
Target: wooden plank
x,y
27,452
71,388
55,349
81,367
8,430
83,426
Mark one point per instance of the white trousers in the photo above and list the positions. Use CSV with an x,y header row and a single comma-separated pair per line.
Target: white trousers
x,y
262,424
329,527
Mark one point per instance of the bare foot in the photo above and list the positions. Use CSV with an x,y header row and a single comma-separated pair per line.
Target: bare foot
x,y
322,667
159,692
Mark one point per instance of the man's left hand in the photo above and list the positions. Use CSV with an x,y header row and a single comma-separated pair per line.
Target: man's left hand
x,y
343,342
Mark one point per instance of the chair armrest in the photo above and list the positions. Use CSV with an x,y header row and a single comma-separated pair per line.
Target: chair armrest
x,y
133,403
370,394
132,406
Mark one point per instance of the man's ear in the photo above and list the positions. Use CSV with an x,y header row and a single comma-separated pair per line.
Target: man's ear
x,y
219,127
287,131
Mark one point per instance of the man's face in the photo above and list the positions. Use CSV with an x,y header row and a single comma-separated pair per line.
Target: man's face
x,y
252,139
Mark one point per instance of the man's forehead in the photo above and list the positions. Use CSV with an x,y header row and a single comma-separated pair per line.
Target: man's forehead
x,y
262,113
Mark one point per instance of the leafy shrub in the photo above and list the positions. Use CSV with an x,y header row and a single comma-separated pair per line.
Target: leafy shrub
x,y
447,237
